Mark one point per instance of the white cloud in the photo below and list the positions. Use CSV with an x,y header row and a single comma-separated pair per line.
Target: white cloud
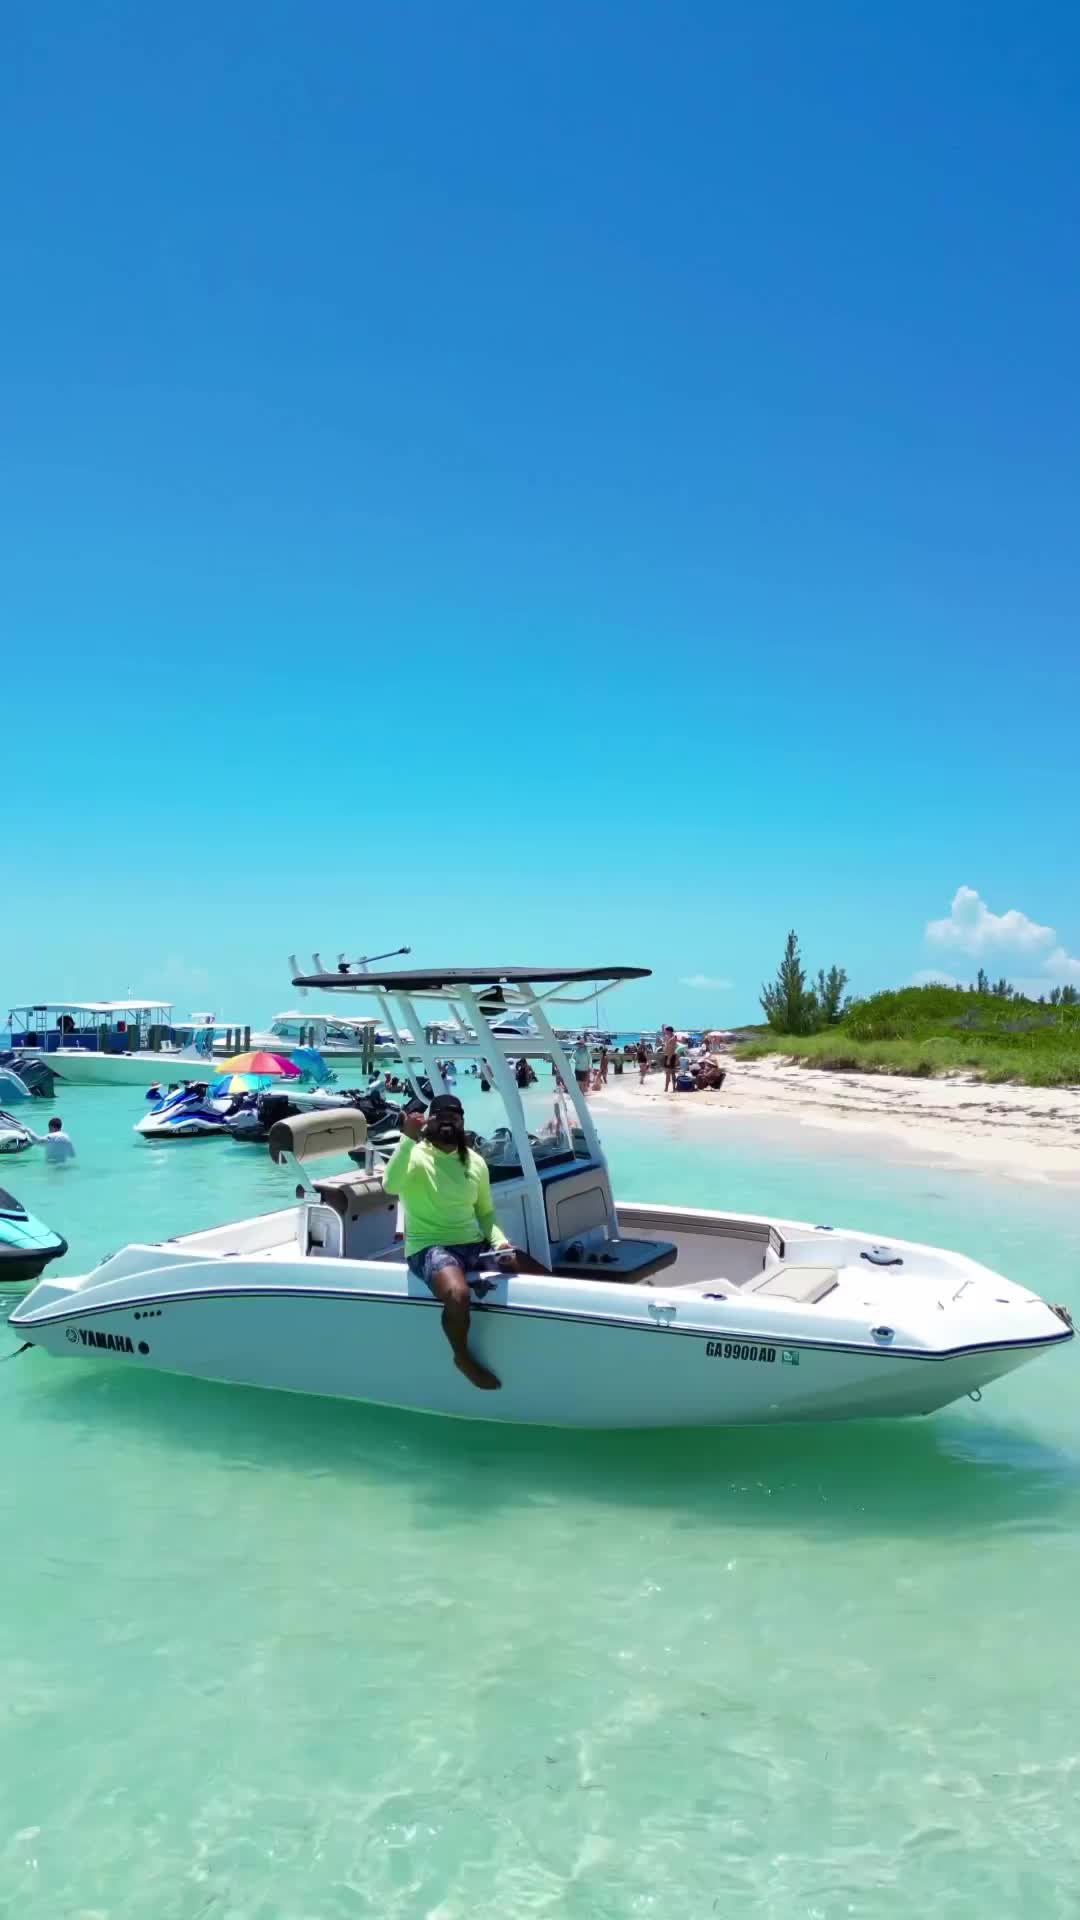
x,y
1059,962
930,977
709,980
970,927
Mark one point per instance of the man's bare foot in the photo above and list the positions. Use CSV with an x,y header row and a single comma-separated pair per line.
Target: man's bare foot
x,y
481,1377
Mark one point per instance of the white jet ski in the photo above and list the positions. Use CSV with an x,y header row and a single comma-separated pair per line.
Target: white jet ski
x,y
13,1135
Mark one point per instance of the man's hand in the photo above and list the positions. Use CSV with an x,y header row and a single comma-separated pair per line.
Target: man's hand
x,y
507,1259
412,1124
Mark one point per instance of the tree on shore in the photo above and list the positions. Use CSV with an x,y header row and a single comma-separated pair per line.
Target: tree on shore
x,y
830,995
790,1005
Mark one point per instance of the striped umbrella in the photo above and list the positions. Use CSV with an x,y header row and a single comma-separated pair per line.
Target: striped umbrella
x,y
238,1083
274,1064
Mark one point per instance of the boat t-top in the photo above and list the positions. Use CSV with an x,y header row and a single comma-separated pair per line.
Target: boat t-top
x,y
628,1313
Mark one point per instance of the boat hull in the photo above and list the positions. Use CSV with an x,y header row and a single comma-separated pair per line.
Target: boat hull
x,y
19,1270
80,1067
559,1367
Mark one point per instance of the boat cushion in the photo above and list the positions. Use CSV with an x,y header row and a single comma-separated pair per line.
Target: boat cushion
x,y
577,1202
352,1194
308,1136
807,1285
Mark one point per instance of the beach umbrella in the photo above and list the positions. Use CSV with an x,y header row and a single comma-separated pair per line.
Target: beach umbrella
x,y
238,1083
274,1064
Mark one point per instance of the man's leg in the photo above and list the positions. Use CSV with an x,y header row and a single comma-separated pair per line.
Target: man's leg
x,y
449,1285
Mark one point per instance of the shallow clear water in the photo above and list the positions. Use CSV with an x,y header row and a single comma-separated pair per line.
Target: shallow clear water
x,y
267,1658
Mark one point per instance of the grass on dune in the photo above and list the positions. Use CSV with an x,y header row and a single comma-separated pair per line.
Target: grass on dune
x,y
935,1030
1047,1068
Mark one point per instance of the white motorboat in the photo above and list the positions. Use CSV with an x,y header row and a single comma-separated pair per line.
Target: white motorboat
x,y
630,1315
123,1043
360,1042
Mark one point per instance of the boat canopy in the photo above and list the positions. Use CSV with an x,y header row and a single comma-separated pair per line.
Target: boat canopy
x,y
438,982
95,1006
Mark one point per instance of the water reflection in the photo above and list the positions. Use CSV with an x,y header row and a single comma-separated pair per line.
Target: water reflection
x,y
949,1474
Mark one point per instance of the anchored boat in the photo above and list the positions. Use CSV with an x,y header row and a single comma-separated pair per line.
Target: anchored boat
x,y
630,1315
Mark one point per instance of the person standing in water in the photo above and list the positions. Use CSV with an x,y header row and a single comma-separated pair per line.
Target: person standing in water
x,y
671,1059
57,1144
445,1190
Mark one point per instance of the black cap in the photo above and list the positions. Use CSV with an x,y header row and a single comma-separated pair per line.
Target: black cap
x,y
447,1103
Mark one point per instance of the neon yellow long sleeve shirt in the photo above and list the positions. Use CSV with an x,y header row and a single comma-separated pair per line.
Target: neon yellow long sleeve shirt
x,y
446,1204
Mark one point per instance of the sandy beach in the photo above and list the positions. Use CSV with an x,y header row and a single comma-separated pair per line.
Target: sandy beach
x,y
1026,1133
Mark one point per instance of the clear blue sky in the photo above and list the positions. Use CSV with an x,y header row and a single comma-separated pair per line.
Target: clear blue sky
x,y
591,481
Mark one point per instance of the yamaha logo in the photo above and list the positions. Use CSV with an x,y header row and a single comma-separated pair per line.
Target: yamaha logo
x,y
73,1336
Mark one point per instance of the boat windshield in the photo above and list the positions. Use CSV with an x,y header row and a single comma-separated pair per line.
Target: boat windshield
x,y
287,1026
553,1134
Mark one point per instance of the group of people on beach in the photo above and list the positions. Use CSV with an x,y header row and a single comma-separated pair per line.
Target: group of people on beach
x,y
591,1064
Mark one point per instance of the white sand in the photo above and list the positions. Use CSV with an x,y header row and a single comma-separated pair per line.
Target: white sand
x,y
1027,1133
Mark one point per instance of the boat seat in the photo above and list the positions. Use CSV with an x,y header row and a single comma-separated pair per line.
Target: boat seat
x,y
805,1284
577,1203
352,1194
353,1218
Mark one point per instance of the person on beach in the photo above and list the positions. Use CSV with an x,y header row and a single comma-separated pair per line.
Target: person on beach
x,y
671,1059
57,1144
583,1065
617,1060
643,1060
450,1224
601,1077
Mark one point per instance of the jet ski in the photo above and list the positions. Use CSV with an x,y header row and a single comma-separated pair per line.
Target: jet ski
x,y
258,1112
187,1114
26,1246
13,1136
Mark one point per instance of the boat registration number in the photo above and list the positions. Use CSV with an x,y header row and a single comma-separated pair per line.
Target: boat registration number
x,y
737,1350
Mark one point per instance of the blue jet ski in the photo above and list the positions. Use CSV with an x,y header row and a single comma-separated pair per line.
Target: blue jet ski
x,y
25,1245
187,1114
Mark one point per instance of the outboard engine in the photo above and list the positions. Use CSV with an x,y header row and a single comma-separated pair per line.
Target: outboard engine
x,y
36,1075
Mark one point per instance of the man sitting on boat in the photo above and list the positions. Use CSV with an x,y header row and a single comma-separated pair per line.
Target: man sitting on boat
x,y
450,1224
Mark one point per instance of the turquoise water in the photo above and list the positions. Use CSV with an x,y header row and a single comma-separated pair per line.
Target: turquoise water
x,y
274,1659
